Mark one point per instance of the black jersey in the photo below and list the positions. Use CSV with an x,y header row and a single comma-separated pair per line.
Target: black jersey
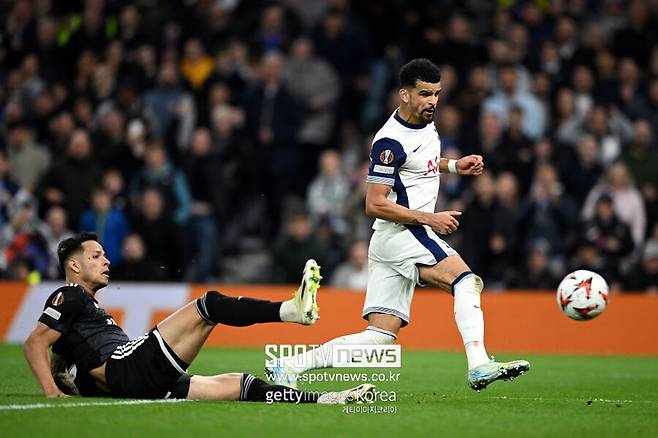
x,y
89,335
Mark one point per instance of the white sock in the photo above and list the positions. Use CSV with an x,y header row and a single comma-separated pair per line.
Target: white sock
x,y
321,356
469,318
288,311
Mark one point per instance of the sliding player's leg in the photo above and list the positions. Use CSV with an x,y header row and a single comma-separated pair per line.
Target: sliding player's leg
x,y
186,330
247,387
453,275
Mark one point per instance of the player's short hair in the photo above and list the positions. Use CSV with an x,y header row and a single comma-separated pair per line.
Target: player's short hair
x,y
419,69
70,246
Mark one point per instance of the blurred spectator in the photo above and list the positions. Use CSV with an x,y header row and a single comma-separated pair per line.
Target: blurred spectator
x,y
565,109
345,46
296,245
652,104
109,223
641,158
627,200
273,120
135,265
68,183
581,172
609,236
536,273
160,173
353,273
110,146
583,84
27,160
203,170
20,242
534,118
631,98
449,126
487,139
114,184
608,125
61,128
645,276
54,230
173,109
503,241
515,152
359,225
474,232
196,65
549,214
635,39
8,187
274,31
162,236
315,84
328,191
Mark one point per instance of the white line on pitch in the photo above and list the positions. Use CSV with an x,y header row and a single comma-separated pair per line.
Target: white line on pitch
x,y
600,400
19,407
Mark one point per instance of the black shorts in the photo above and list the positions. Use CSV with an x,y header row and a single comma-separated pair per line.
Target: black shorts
x,y
146,367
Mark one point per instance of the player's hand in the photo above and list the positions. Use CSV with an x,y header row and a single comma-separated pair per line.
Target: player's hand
x,y
470,165
57,394
444,222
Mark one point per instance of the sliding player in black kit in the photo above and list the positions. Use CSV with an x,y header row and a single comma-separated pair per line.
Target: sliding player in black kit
x,y
101,360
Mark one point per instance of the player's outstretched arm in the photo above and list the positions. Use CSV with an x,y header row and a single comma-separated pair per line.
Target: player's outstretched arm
x,y
468,165
36,352
378,205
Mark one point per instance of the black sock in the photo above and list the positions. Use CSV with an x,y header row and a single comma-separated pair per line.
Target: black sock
x,y
254,389
216,308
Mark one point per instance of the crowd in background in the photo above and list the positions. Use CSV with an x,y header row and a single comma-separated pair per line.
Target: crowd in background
x,y
229,140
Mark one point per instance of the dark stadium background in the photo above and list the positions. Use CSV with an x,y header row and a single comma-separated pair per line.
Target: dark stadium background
x,y
228,140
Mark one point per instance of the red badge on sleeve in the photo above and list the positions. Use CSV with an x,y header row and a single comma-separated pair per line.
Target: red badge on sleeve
x,y
58,299
387,156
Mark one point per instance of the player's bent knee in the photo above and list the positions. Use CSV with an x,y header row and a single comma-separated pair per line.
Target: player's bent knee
x,y
468,282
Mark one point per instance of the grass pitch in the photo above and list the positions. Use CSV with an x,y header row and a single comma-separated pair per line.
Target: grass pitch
x,y
560,396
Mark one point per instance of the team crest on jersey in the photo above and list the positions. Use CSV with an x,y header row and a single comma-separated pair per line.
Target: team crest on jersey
x,y
387,156
58,299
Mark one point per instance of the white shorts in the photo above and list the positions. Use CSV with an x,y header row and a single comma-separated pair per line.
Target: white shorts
x,y
393,256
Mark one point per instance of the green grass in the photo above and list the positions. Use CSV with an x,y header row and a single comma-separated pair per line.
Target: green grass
x,y
560,396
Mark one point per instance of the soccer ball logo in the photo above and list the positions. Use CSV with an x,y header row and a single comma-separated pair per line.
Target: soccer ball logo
x,y
582,295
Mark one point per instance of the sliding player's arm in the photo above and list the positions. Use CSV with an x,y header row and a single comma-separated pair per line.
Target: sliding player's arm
x,y
378,205
468,165
36,352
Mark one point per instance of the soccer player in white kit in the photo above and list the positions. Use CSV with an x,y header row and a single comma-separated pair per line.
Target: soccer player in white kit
x,y
405,249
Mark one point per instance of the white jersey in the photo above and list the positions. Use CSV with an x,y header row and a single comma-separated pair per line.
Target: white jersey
x,y
406,157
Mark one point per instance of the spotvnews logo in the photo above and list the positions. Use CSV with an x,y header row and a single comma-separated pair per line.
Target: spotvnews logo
x,y
337,356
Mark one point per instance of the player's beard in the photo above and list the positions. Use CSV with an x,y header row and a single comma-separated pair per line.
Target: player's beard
x,y
425,116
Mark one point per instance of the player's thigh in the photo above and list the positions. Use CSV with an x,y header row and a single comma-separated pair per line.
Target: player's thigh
x,y
388,296
185,332
220,387
444,273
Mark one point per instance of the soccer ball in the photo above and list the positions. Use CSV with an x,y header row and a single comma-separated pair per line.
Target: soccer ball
x,y
582,295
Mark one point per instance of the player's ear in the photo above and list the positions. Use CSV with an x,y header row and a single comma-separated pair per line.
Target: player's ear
x,y
74,265
404,95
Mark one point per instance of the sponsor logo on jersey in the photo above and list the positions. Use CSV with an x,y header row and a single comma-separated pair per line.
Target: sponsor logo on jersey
x,y
387,156
389,170
54,314
58,299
